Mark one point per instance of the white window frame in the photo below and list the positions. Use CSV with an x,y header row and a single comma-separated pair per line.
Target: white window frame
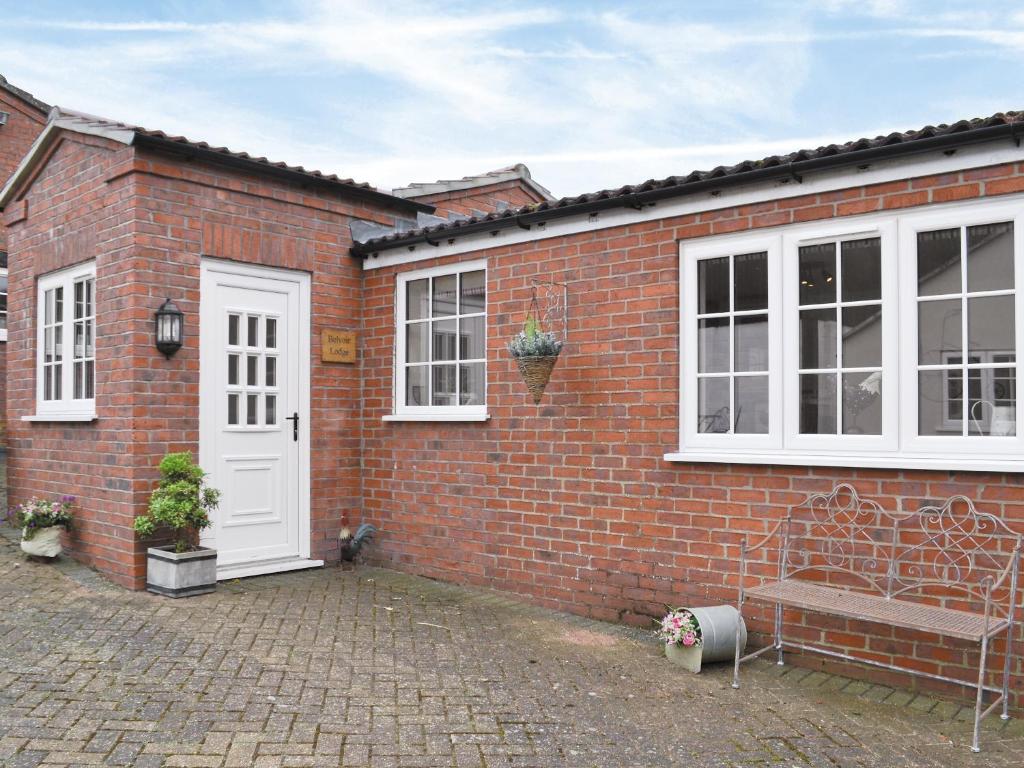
x,y
5,273
690,256
898,446
67,408
403,412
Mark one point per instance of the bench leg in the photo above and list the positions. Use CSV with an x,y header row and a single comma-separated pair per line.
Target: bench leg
x,y
981,694
778,633
1006,671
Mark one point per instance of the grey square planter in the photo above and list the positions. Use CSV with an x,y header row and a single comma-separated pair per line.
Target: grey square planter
x,y
181,574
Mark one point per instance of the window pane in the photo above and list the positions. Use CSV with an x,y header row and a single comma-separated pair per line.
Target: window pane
x,y
253,409
818,404
271,372
862,403
713,404
938,331
79,331
253,337
444,392
471,384
862,336
751,405
990,257
713,345
48,308
751,343
58,305
79,300
90,379
271,406
473,293
417,299
818,273
444,335
818,338
416,389
88,297
47,382
271,333
233,330
58,381
471,339
862,269
252,374
938,262
713,285
417,343
232,408
939,402
750,281
445,293
79,380
994,412
990,325
232,370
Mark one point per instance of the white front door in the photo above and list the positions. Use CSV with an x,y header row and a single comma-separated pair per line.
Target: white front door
x,y
254,384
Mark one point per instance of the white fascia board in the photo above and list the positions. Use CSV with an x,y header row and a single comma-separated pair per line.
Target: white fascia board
x,y
925,164
62,121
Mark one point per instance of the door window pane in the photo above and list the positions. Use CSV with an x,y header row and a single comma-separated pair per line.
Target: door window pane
x,y
253,409
938,262
817,273
271,407
271,372
232,370
232,408
271,333
253,336
751,405
233,330
252,376
818,404
990,257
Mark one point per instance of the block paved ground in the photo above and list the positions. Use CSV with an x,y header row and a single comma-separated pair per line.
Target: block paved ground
x,y
374,668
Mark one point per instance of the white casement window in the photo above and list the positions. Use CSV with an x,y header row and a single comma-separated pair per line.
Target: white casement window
x,y
441,344
3,296
885,341
65,344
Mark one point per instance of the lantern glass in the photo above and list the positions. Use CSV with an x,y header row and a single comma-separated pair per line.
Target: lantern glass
x,y
169,325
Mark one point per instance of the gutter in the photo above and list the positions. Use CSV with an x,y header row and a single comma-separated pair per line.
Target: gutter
x,y
948,143
220,158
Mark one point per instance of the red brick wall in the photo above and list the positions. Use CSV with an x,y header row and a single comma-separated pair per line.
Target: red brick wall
x,y
24,125
571,502
147,219
469,201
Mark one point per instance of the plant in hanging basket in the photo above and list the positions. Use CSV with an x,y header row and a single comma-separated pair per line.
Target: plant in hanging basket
x,y
535,352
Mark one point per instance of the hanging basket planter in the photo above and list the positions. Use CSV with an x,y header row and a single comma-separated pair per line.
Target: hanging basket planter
x,y
536,371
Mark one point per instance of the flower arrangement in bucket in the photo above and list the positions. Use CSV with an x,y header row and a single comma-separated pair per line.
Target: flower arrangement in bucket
x,y
535,352
42,521
695,635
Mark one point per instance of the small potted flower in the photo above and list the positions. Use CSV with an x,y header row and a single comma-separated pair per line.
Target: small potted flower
x,y
535,352
42,522
695,635
181,504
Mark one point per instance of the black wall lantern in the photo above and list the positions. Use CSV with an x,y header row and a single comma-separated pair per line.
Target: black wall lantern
x,y
170,322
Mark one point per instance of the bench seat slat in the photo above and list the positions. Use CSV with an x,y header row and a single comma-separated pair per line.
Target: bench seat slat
x,y
860,605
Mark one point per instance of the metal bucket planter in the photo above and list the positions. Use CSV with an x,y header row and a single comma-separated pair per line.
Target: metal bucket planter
x,y
44,543
536,371
717,630
181,574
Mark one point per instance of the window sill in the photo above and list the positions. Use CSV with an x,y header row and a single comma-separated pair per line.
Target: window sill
x,y
453,417
876,460
60,417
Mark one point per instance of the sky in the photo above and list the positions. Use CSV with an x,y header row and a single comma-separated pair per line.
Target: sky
x,y
590,95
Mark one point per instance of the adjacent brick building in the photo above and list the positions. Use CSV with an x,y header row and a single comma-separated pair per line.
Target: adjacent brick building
x,y
683,414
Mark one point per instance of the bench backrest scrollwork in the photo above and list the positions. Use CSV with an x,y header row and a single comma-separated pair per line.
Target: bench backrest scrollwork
x,y
948,552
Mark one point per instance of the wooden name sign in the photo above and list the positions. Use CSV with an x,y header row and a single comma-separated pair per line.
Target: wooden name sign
x,y
338,346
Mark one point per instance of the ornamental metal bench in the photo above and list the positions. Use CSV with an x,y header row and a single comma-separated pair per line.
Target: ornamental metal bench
x,y
949,570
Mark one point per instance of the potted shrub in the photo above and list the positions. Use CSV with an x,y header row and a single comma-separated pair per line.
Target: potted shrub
x,y
42,522
696,635
535,352
181,503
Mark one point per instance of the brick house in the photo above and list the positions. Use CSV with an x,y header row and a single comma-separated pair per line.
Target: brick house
x,y
735,339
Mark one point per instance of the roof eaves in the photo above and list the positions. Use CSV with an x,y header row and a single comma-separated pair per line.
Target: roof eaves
x,y
862,151
25,96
